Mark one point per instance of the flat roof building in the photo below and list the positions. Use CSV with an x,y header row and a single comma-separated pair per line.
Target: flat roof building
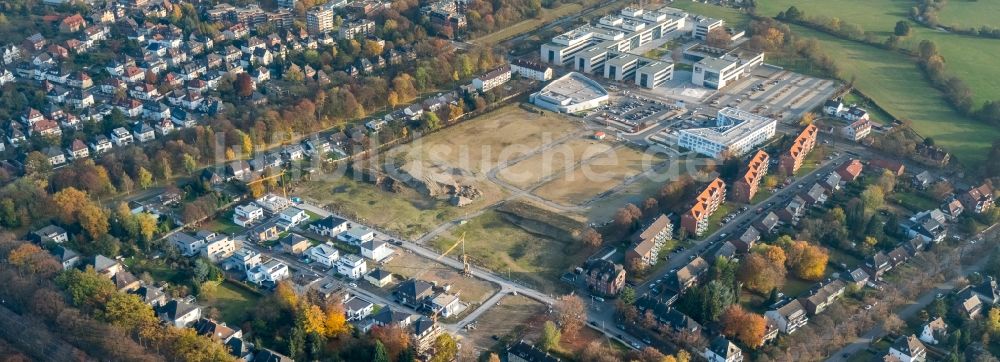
x,y
654,74
705,25
736,132
319,20
717,72
571,93
629,29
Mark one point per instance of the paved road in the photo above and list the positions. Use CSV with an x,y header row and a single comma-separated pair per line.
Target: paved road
x,y
911,309
739,223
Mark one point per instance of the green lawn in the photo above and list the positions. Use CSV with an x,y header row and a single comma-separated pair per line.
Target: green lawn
x,y
406,212
795,287
970,58
499,245
713,221
223,225
914,201
733,17
837,257
234,302
876,114
968,14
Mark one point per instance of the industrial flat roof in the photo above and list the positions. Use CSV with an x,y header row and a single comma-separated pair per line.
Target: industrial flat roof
x,y
573,86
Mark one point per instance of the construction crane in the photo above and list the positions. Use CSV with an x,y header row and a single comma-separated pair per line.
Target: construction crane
x,y
284,193
466,268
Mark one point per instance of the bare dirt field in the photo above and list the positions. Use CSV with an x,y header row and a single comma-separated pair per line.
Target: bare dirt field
x,y
598,176
479,145
470,290
559,159
517,317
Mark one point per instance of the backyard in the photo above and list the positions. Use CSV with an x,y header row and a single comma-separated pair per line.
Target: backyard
x,y
234,302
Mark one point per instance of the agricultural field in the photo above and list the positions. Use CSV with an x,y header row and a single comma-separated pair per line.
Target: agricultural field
x,y
524,26
968,14
500,245
733,17
599,175
559,159
470,290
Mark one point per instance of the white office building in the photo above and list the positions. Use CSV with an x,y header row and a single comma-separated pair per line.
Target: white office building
x,y
654,74
716,73
705,25
627,30
735,133
571,93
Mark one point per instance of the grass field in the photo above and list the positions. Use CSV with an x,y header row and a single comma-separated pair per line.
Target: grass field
x,y
499,245
528,25
233,302
407,212
968,14
469,290
733,17
598,175
914,201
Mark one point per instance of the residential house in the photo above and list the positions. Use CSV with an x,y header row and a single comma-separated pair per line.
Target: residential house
x,y
379,278
877,264
833,107
245,215
858,277
264,232
78,150
215,330
745,188
49,234
969,304
768,223
358,308
413,292
524,352
908,349
695,221
178,313
100,144
389,317
789,317
423,334
721,349
67,257
352,266
376,250
987,291
357,235
324,254
831,182
857,130
524,68
266,355
446,305
329,226
292,217
272,203
143,132
55,155
188,245
815,196
125,281
294,244
921,180
793,211
270,272
688,275
105,266
218,247
896,167
934,331
648,241
928,225
818,300
120,137
978,199
151,295
243,260
604,277
72,24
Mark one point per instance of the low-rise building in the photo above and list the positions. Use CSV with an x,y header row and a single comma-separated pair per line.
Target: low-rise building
x,y
352,266
179,313
604,277
295,244
531,70
270,272
246,215
789,317
329,226
358,308
687,276
376,250
818,300
357,235
324,254
49,234
978,199
908,349
379,278
492,79
721,349
524,352
413,292
934,331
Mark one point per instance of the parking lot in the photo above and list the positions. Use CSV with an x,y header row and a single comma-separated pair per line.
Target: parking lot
x,y
632,113
775,93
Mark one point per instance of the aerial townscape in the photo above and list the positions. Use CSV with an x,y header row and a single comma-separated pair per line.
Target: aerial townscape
x,y
506,180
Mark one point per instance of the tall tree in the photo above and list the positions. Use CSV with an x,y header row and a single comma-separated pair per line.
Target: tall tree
x,y
550,336
571,313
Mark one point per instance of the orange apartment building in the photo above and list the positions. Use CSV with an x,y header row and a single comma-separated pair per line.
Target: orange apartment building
x,y
803,144
695,221
745,188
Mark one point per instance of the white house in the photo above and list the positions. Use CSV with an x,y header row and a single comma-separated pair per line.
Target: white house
x,y
293,216
357,309
179,313
244,215
722,350
446,305
357,235
531,70
492,79
329,226
908,349
324,254
121,137
271,271
243,259
933,330
185,243
218,247
352,266
375,250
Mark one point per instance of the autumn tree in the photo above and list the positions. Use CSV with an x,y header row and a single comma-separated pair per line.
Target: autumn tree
x,y
94,220
592,238
571,313
244,85
70,201
395,339
744,326
807,119
550,336
805,260
626,217
445,348
718,38
760,274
